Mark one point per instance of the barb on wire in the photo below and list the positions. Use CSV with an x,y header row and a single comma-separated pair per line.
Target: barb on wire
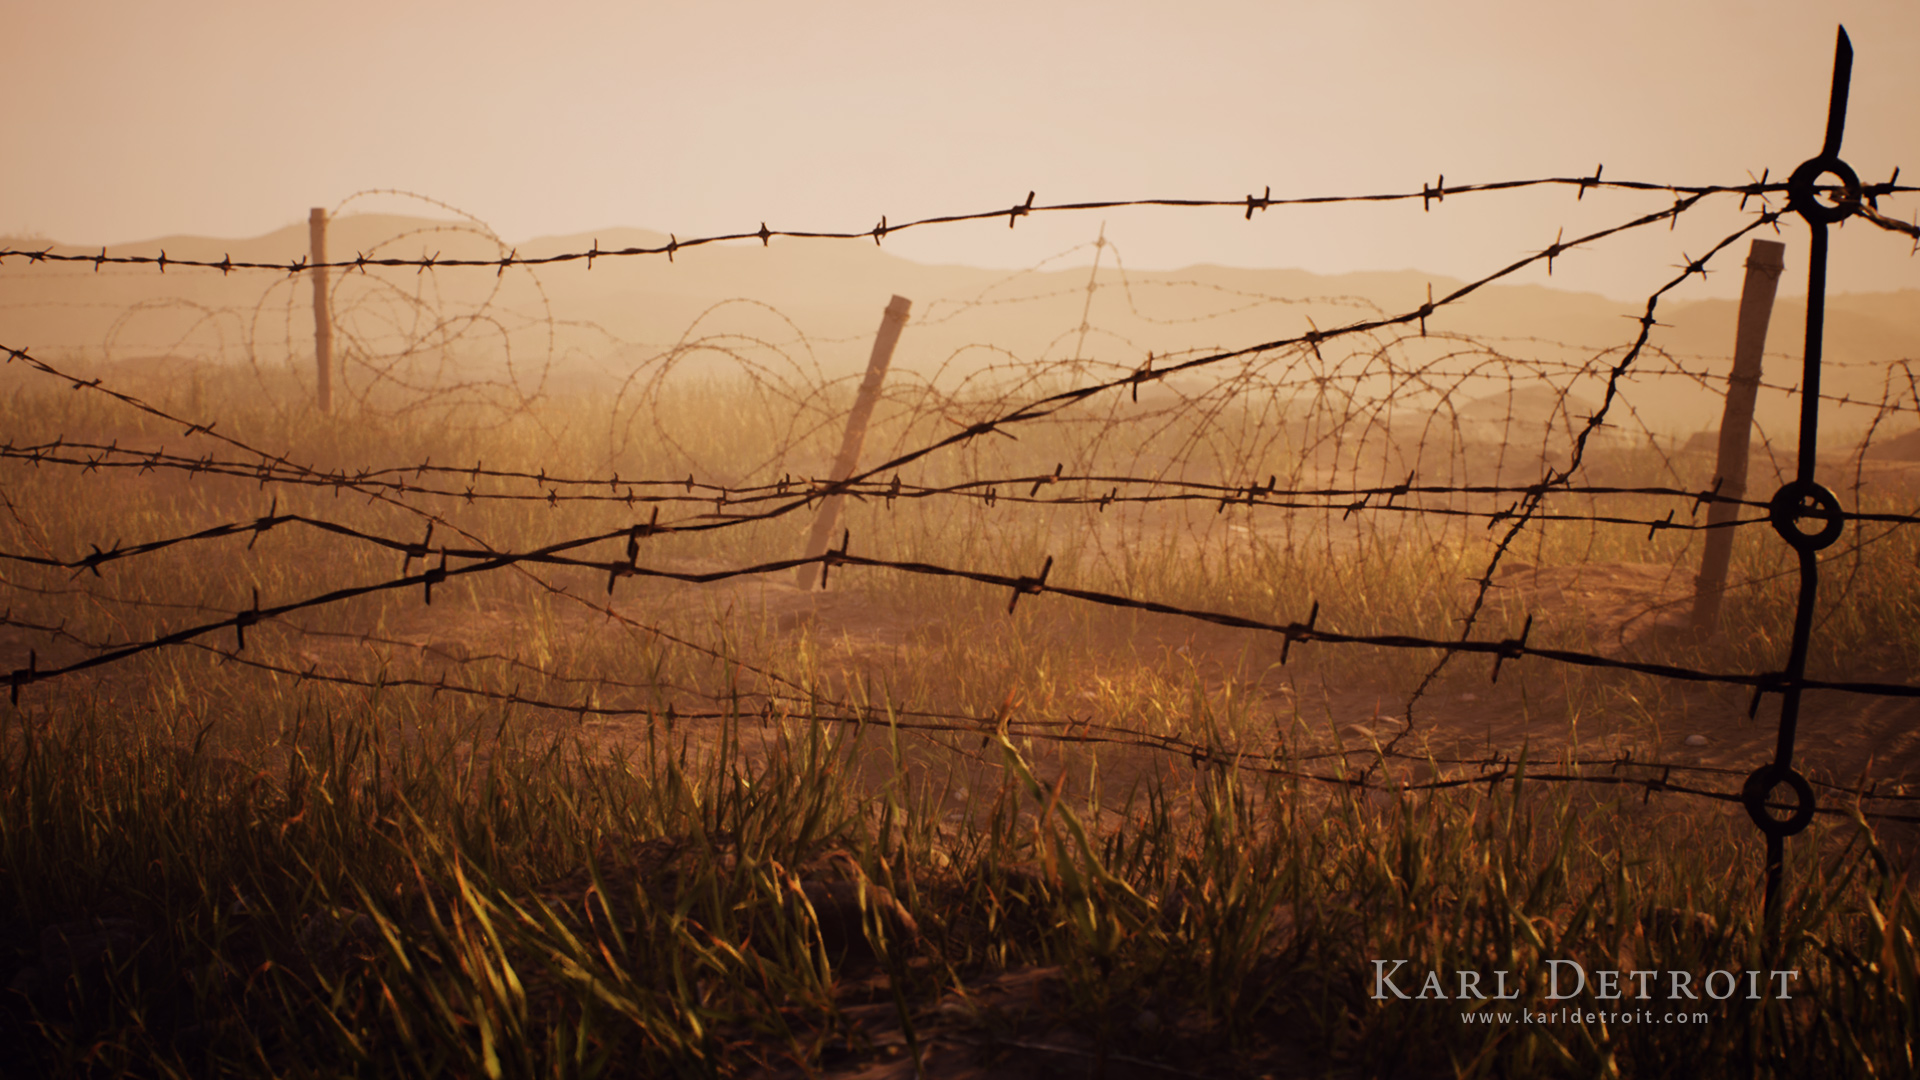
x,y
1307,364
1487,770
1428,194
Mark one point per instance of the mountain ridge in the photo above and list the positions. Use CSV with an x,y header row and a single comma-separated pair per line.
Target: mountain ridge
x,y
814,303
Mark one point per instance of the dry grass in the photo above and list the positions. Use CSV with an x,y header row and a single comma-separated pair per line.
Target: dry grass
x,y
211,869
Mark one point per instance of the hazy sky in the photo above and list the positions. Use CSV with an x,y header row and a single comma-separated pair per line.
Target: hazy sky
x,y
127,121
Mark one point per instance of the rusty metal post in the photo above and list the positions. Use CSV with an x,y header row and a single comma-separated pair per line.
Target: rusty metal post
x,y
1765,259
891,322
322,322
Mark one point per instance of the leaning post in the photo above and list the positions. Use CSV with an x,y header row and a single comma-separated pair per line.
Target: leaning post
x,y
891,322
322,321
1765,260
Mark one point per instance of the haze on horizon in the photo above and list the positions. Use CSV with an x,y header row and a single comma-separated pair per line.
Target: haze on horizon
x,y
131,121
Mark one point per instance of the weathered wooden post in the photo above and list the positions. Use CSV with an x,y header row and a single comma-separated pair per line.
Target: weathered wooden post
x,y
1764,263
322,322
891,321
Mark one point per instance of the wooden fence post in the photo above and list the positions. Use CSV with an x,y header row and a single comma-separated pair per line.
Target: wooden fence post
x,y
322,322
891,321
1764,262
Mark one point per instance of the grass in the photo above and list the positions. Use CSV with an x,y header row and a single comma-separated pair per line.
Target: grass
x,y
385,907
211,869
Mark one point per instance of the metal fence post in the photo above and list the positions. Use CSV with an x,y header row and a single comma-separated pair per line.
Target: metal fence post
x,y
1803,499
322,322
891,322
1765,259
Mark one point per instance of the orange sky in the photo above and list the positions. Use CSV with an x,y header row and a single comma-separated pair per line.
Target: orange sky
x,y
133,120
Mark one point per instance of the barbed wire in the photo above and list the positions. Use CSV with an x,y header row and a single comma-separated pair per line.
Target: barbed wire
x,y
1492,769
1526,509
737,504
1283,762
1048,405
1252,493
986,491
486,560
1428,195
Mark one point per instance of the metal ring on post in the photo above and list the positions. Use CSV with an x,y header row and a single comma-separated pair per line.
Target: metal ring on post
x,y
1804,200
1761,784
1789,505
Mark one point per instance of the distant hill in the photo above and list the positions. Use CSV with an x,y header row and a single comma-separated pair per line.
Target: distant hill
x,y
810,307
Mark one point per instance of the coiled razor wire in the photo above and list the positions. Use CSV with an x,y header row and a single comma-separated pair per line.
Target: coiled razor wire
x,y
1802,512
